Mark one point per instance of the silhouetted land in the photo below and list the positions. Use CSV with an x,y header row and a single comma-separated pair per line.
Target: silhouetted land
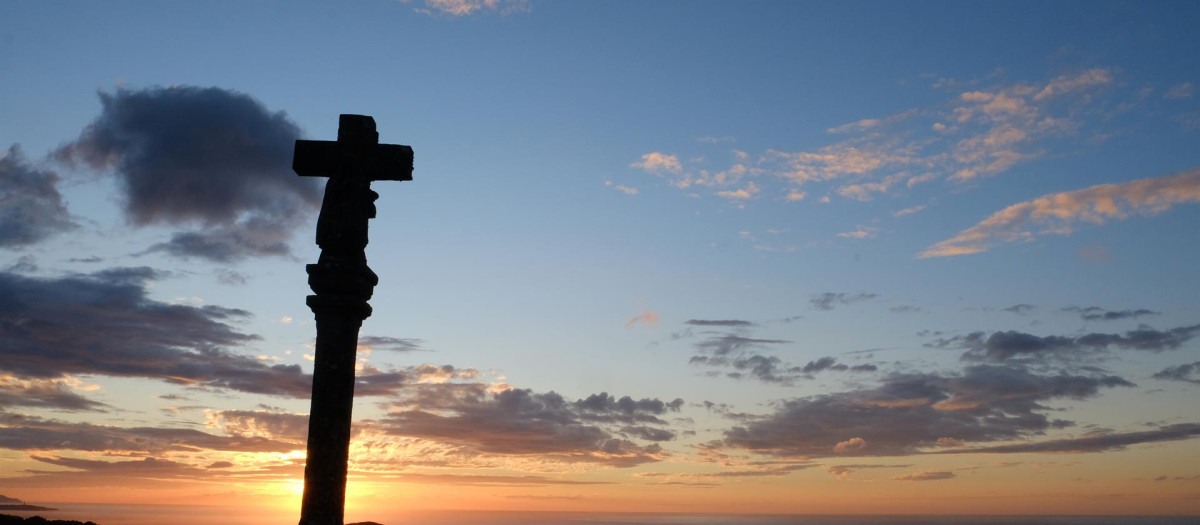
x,y
24,507
6,519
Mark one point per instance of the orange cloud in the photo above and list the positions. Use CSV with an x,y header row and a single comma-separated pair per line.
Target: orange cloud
x,y
1059,213
655,162
648,318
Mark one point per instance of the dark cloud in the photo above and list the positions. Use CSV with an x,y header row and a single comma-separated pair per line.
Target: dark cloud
x,y
145,467
43,394
725,344
24,433
1189,373
205,157
910,413
1095,313
24,264
904,309
395,344
729,323
524,423
1017,346
31,208
1019,309
231,277
103,323
829,300
735,352
1092,443
1144,338
772,369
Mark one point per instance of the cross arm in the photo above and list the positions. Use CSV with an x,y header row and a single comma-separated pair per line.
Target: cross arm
x,y
324,158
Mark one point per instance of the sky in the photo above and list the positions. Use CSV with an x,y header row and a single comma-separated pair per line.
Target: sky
x,y
701,256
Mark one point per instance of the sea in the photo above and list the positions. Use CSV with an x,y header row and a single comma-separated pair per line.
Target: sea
x,y
106,514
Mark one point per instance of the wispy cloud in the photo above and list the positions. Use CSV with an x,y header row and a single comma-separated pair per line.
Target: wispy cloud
x,y
1061,213
1096,313
1014,346
972,134
649,318
1180,91
829,300
628,190
928,475
1092,443
471,7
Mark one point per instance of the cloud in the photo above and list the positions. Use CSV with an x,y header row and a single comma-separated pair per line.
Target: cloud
x,y
724,344
908,211
655,162
24,264
928,475
1091,443
1095,313
1180,91
1019,309
518,422
231,277
735,353
747,192
628,190
209,158
870,123
31,208
910,413
37,393
1189,373
1010,345
828,300
972,134
31,434
648,318
728,323
1060,213
472,7
278,426
844,471
1068,83
395,344
103,323
861,232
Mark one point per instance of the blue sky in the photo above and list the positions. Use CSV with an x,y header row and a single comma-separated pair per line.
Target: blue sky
x,y
661,200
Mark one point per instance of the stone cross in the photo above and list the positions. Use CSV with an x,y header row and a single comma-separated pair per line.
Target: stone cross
x,y
342,284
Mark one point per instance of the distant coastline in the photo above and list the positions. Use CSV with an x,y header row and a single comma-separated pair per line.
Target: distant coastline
x,y
24,507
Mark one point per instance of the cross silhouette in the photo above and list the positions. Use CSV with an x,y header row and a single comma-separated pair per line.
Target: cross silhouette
x,y
342,284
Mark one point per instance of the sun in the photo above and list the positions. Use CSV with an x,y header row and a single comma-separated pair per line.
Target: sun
x,y
295,486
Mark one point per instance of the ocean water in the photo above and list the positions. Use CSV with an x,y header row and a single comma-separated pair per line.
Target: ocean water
x,y
104,514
